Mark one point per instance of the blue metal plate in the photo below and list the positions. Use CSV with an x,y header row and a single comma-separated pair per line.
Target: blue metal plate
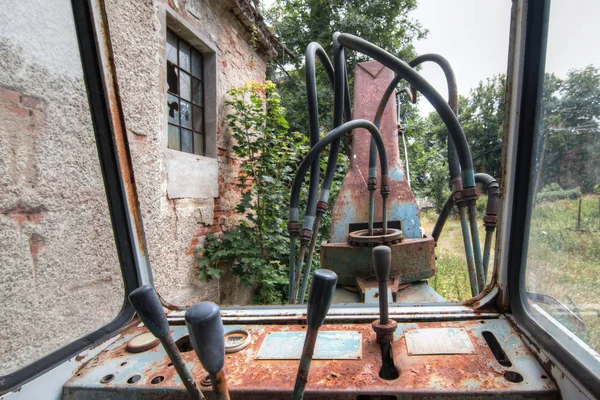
x,y
334,345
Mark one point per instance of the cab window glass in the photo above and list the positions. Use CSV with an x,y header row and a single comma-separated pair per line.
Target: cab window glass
x,y
563,259
60,272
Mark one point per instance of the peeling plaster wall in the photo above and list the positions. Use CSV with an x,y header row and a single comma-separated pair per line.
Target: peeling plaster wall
x,y
176,227
59,273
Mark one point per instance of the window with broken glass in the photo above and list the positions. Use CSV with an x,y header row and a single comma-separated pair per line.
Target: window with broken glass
x,y
185,97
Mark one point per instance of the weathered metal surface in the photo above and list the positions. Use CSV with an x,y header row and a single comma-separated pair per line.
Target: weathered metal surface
x,y
443,376
352,204
418,292
412,260
336,345
433,341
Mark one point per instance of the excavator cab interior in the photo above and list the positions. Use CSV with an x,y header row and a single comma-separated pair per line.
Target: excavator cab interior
x,y
366,324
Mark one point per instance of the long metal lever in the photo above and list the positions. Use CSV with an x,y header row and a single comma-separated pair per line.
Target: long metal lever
x,y
319,300
384,327
150,310
207,336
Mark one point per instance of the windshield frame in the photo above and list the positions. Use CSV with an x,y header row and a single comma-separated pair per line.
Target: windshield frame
x,y
549,340
88,20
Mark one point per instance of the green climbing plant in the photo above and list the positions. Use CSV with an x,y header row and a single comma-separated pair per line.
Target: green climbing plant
x,y
257,248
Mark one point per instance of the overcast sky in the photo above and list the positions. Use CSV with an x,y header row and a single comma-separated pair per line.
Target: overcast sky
x,y
473,36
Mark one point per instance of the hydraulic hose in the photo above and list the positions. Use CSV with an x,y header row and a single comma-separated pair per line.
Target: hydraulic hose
x,y
416,80
443,217
342,110
330,138
314,152
491,215
373,149
314,50
310,222
453,164
340,89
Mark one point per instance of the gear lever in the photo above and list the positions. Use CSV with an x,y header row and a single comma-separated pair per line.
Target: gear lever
x,y
206,333
147,305
384,327
319,300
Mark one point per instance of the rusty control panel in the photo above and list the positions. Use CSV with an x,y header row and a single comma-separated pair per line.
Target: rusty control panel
x,y
461,359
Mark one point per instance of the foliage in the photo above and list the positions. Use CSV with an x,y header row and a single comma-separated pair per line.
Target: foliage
x,y
570,130
298,22
551,196
481,116
257,248
553,187
428,160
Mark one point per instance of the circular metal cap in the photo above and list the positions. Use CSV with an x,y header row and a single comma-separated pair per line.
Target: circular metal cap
x,y
236,340
142,342
362,238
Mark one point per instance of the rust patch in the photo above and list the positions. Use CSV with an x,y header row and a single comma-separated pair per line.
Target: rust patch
x,y
36,242
24,213
118,127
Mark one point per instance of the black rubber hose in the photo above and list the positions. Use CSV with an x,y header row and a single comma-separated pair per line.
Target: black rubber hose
x,y
441,221
453,164
340,94
416,80
314,50
330,138
493,192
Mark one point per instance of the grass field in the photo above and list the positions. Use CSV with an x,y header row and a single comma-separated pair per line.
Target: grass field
x,y
563,262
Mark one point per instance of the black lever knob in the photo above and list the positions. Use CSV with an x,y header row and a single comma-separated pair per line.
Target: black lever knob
x,y
147,305
382,262
320,297
205,327
319,300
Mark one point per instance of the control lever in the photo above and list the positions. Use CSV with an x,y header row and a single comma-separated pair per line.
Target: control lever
x,y
319,300
147,305
384,327
204,324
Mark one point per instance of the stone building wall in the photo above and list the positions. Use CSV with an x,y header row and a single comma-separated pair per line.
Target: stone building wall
x,y
175,227
59,271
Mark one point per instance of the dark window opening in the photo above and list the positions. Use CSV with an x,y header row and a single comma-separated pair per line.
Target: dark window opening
x,y
185,97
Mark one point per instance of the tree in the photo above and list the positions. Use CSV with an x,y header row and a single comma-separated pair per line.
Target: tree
x,y
481,115
299,22
571,130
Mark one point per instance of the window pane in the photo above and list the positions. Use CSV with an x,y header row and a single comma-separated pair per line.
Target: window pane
x,y
198,144
184,56
186,141
172,47
172,79
197,64
563,259
198,119
174,138
186,114
173,104
60,275
185,86
197,92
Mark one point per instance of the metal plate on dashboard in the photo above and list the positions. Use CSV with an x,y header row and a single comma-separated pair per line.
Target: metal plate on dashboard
x,y
333,345
438,341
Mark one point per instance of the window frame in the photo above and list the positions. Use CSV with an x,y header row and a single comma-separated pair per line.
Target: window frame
x,y
550,340
193,77
180,167
127,243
